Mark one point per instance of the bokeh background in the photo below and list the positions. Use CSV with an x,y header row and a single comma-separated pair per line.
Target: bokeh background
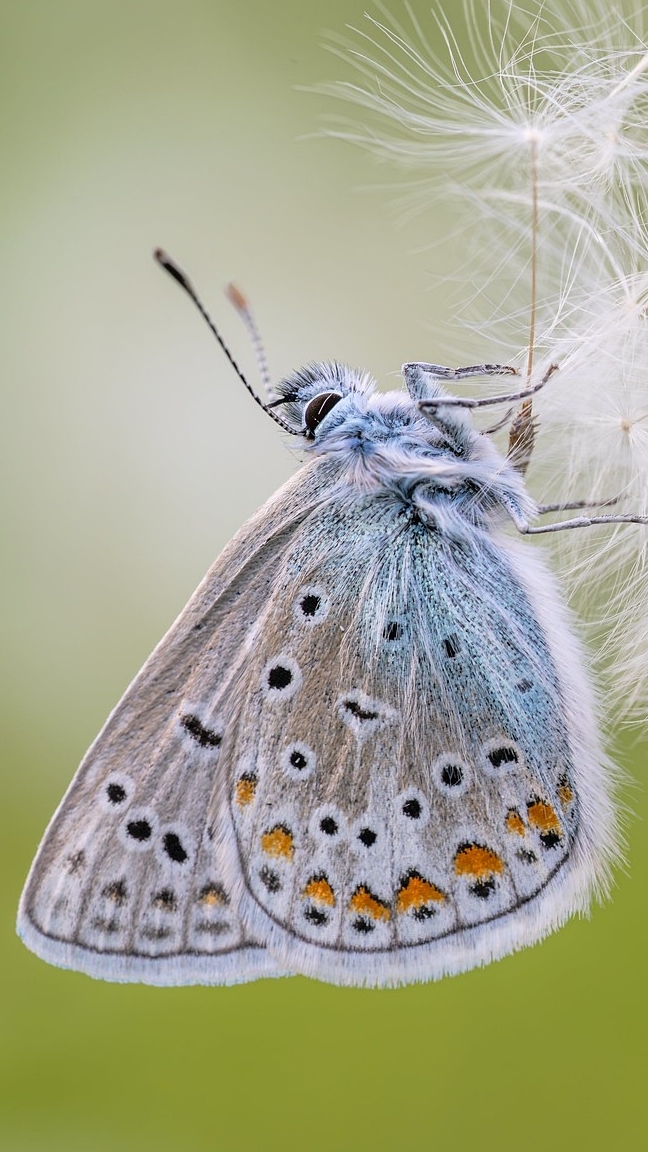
x,y
129,456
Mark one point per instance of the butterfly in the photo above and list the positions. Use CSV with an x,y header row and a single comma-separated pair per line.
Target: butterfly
x,y
367,751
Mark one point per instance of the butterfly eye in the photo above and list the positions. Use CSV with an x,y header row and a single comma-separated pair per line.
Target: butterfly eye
x,y
318,408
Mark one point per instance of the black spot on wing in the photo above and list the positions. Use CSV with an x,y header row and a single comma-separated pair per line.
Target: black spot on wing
x,y
360,713
206,737
174,848
139,830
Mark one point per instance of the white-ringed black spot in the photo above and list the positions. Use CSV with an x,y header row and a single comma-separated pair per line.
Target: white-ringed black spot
x,y
298,761
173,847
451,645
270,879
500,756
504,754
165,899
358,711
206,737
412,809
362,714
368,837
139,830
279,677
329,826
116,793
312,605
451,775
316,916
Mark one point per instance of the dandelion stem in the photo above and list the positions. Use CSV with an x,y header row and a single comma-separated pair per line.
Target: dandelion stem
x,y
534,250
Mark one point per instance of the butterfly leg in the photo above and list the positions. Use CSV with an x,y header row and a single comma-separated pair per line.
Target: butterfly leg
x,y
471,401
575,505
526,529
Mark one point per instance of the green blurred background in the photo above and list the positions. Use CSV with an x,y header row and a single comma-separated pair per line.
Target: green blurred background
x,y
130,455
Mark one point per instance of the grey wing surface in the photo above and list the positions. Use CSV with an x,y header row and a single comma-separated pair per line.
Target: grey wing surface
x,y
126,884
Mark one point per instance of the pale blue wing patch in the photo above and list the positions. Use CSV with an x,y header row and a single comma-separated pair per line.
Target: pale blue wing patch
x,y
438,795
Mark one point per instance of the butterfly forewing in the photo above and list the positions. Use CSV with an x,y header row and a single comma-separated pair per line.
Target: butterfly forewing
x,y
126,884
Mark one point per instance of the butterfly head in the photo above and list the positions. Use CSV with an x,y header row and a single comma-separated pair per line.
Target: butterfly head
x,y
308,396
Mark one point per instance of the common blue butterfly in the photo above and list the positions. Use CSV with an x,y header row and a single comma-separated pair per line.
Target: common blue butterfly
x,y
367,750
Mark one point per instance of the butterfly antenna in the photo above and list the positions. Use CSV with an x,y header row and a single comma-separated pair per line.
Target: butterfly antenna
x,y
176,272
240,302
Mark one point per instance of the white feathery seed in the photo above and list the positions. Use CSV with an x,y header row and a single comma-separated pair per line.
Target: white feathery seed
x,y
533,126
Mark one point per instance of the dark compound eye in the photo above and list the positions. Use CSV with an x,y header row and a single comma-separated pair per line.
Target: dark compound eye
x,y
329,826
451,775
116,793
318,408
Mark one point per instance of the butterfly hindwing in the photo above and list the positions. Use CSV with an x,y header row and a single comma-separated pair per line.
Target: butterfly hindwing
x,y
404,789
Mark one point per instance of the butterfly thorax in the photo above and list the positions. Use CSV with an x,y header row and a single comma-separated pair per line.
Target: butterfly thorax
x,y
383,443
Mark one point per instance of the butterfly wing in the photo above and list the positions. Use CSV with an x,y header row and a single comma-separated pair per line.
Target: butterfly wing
x,y
126,884
408,754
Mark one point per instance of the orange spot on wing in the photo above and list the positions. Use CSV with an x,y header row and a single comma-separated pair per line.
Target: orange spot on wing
x,y
278,842
319,890
245,790
514,822
476,861
212,895
414,892
542,816
364,902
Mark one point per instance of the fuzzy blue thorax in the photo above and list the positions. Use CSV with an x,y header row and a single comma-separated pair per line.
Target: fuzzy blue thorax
x,y
435,461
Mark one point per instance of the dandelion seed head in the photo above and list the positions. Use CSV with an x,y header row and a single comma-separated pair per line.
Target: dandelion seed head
x,y
533,127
